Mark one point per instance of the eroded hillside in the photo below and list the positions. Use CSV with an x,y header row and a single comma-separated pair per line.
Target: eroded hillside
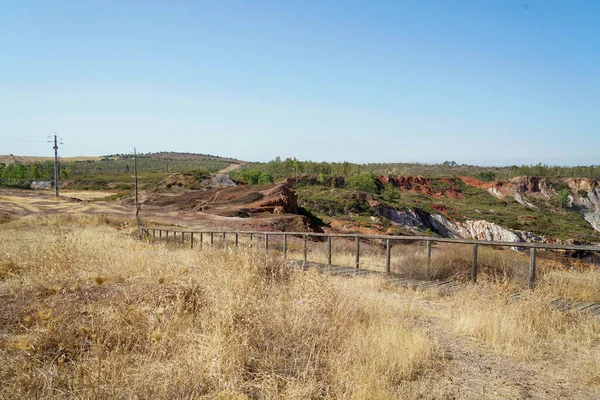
x,y
521,209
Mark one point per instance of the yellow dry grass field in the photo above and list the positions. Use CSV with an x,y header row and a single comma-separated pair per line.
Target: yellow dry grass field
x,y
89,309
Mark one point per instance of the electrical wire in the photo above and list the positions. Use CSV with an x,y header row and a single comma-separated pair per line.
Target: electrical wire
x,y
24,140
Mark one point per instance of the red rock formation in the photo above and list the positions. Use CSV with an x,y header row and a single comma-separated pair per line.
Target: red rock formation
x,y
419,184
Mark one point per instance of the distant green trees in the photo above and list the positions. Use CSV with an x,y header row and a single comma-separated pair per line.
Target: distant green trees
x,y
19,174
281,169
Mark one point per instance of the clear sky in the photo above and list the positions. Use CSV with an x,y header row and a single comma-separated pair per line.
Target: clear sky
x,y
485,82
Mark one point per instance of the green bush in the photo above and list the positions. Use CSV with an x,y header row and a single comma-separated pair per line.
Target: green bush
x,y
265,179
356,204
251,176
390,193
486,176
562,198
364,182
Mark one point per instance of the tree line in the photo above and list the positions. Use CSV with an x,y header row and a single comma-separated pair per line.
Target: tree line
x,y
279,169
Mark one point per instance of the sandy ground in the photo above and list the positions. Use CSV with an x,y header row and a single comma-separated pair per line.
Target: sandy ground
x,y
19,203
16,203
229,168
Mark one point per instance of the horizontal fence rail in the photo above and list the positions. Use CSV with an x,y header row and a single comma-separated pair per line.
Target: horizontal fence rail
x,y
180,235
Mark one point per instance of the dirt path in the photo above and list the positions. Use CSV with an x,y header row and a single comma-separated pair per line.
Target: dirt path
x,y
229,168
472,369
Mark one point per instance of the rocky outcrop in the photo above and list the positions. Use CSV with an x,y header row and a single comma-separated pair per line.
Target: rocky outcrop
x,y
584,193
222,180
418,221
409,219
443,187
585,198
264,207
279,199
41,184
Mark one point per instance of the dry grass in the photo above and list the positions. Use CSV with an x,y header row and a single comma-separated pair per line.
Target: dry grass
x,y
529,328
86,194
87,311
576,285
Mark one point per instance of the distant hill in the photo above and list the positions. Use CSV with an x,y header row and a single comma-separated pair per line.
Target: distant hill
x,y
10,159
164,155
173,155
109,171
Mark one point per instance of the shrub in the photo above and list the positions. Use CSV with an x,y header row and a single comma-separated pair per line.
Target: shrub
x,y
390,193
562,198
364,182
251,176
265,179
486,176
356,204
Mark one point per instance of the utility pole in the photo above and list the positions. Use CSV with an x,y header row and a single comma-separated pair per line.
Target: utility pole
x,y
137,203
135,178
56,167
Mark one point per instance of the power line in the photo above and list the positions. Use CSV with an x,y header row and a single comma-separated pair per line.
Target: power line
x,y
23,140
86,148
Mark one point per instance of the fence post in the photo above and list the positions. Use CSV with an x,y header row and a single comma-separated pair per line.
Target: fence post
x,y
167,234
182,237
160,233
223,242
153,233
201,239
236,239
428,251
388,253
191,240
212,239
251,239
328,250
532,253
305,248
266,242
474,266
357,256
284,245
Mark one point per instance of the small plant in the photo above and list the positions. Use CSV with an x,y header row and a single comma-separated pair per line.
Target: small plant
x,y
562,198
390,193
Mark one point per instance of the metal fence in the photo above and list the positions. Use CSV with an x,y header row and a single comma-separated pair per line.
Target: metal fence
x,y
160,233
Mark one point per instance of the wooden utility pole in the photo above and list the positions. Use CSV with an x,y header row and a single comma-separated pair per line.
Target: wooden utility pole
x,y
137,203
135,177
56,167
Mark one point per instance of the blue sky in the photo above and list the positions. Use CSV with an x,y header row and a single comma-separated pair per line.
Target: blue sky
x,y
485,82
